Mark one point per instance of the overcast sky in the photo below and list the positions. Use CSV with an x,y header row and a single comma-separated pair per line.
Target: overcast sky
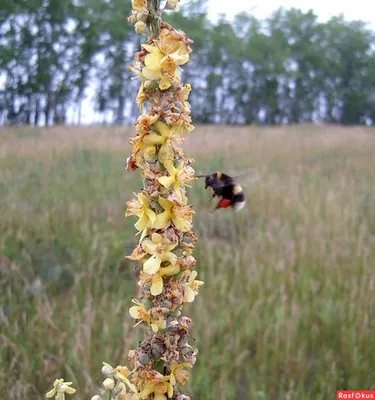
x,y
358,9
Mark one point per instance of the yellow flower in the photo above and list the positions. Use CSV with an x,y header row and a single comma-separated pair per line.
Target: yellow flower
x,y
177,177
141,208
160,250
163,67
157,324
192,287
140,6
140,27
157,384
163,138
59,389
139,312
178,374
174,212
157,279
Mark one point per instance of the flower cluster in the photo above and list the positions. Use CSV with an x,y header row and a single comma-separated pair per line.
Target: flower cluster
x,y
167,280
59,389
161,363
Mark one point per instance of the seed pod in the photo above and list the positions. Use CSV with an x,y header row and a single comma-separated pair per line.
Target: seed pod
x,y
144,359
109,384
187,351
167,304
147,303
156,355
106,370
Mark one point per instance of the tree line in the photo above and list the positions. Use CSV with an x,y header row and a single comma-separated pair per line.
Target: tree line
x,y
288,68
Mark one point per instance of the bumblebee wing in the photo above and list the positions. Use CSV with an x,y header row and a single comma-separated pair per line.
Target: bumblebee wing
x,y
248,177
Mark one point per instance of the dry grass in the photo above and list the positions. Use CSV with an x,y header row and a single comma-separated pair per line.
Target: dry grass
x,y
287,311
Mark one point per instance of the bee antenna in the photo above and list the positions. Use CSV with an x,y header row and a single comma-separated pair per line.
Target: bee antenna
x,y
200,176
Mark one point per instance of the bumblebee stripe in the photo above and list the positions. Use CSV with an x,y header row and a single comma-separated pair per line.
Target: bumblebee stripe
x,y
237,189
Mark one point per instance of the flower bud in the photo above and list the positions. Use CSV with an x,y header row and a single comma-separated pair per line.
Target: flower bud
x,y
147,303
156,354
144,359
187,351
140,27
96,397
183,341
167,304
157,346
109,384
142,17
172,5
106,370
176,314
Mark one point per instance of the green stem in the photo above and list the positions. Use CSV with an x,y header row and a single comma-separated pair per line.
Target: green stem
x,y
154,18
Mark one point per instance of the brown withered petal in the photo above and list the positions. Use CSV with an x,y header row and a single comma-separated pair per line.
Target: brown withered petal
x,y
184,323
131,164
137,254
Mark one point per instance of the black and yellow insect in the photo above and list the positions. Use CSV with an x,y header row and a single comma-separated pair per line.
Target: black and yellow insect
x,y
224,186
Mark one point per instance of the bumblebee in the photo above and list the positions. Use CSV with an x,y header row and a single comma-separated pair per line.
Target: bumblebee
x,y
224,186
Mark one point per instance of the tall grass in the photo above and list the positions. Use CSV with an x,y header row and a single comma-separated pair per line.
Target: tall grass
x,y
287,310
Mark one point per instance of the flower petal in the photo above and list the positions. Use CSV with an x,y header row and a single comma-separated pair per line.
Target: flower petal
x,y
181,224
193,275
170,167
170,270
165,153
169,256
153,62
51,393
162,128
157,238
172,379
189,294
149,48
143,199
142,222
166,181
151,215
165,83
152,265
157,285
135,312
149,246
69,390
147,390
170,390
152,139
151,75
162,220
144,233
149,153
165,203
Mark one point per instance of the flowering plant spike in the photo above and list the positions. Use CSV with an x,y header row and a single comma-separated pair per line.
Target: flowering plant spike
x,y
160,365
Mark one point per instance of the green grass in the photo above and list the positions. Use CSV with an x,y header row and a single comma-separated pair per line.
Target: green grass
x,y
287,310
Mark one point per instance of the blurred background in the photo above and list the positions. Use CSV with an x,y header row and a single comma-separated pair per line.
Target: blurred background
x,y
65,62
287,310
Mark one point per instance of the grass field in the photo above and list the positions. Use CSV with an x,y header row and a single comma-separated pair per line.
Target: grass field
x,y
288,306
